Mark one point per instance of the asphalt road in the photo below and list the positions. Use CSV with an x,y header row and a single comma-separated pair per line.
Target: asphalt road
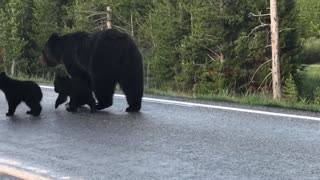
x,y
167,140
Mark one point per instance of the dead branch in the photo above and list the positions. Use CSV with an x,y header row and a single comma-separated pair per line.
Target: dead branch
x,y
286,29
258,15
100,19
220,56
262,24
257,27
94,13
264,80
212,59
254,74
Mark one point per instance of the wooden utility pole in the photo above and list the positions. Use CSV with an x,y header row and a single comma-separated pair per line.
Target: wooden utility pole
x,y
109,18
276,77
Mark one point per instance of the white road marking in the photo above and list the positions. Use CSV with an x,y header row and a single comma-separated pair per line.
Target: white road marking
x,y
181,103
25,172
18,170
20,174
46,87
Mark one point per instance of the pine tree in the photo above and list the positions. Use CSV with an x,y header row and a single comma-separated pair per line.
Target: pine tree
x,y
290,92
11,41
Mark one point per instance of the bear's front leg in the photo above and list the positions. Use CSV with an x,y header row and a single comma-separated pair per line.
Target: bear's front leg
x,y
61,99
72,105
92,104
12,108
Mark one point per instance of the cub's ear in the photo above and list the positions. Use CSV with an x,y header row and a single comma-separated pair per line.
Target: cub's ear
x,y
54,37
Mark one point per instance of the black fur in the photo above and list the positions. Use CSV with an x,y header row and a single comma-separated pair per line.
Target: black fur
x,y
103,59
79,91
17,91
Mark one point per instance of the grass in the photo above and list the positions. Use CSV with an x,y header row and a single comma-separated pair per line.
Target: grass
x,y
310,80
36,79
251,99
311,50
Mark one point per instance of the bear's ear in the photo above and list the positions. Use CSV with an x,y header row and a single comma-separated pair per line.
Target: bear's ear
x,y
58,77
54,37
2,74
64,78
61,78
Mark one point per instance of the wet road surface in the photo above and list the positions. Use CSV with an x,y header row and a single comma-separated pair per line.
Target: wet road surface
x,y
164,141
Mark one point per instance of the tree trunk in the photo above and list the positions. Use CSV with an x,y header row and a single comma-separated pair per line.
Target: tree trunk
x,y
276,80
221,6
147,74
131,22
109,18
13,67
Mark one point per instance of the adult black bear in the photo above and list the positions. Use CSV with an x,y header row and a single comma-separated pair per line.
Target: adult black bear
x,y
79,91
21,91
104,59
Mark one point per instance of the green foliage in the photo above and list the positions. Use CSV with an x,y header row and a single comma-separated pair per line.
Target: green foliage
x,y
210,80
316,94
198,47
290,92
308,18
163,30
309,81
80,16
11,42
44,22
311,51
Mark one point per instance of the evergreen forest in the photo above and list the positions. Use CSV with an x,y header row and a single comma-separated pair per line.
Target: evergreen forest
x,y
195,47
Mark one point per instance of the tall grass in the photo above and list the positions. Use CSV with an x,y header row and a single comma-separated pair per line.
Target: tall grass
x,y
309,81
311,51
45,79
249,99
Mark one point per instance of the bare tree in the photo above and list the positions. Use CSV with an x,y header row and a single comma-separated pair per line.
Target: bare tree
x,y
276,80
274,27
109,18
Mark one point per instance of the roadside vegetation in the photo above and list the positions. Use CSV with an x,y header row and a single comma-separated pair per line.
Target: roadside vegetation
x,y
211,49
308,98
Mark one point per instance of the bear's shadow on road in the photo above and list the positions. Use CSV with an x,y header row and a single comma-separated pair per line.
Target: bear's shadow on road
x,y
83,114
23,118
104,115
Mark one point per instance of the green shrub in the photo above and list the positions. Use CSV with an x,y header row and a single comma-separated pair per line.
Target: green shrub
x,y
311,51
290,92
316,94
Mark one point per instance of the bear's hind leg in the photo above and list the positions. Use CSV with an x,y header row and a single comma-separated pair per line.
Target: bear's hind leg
x,y
134,103
104,94
35,108
134,97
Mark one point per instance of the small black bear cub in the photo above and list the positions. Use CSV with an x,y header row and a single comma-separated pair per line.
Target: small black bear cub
x,y
17,91
80,93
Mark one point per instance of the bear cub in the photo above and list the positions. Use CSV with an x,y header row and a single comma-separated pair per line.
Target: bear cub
x,y
17,91
79,91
